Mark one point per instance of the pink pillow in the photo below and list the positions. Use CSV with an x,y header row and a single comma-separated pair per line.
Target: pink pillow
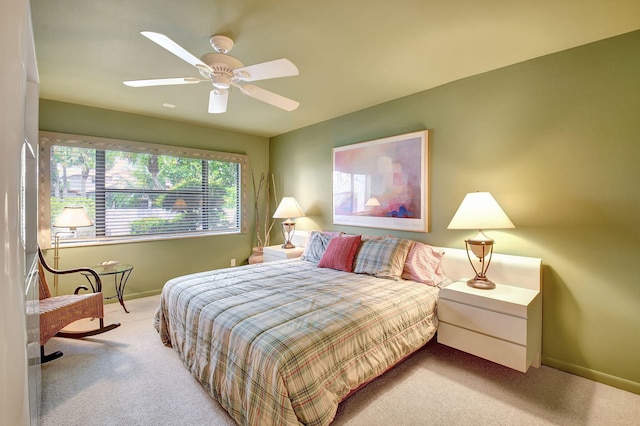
x,y
340,253
424,264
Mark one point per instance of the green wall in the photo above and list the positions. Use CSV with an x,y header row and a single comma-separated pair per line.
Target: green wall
x,y
156,262
556,141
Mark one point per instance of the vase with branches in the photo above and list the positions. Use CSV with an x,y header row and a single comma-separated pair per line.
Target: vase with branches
x,y
264,189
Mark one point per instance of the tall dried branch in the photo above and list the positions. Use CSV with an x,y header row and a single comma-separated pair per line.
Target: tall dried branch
x,y
262,191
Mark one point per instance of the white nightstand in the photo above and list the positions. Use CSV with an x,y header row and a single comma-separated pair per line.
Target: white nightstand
x,y
273,253
503,325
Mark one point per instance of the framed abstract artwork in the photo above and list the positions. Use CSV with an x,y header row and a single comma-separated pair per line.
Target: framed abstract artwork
x,y
382,183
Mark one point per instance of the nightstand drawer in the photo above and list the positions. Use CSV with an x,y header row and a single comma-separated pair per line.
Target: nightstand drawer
x,y
506,299
483,321
500,351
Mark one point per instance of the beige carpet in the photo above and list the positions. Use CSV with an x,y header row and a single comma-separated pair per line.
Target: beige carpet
x,y
127,377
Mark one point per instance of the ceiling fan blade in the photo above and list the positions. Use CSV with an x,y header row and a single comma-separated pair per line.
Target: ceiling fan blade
x,y
269,97
218,101
173,47
272,69
162,81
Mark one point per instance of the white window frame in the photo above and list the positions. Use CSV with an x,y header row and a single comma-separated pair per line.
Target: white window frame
x,y
47,139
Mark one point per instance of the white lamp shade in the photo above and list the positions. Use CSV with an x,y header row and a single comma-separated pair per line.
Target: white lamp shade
x,y
372,202
288,208
73,217
479,210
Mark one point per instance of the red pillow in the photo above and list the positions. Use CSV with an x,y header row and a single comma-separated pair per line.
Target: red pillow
x,y
340,253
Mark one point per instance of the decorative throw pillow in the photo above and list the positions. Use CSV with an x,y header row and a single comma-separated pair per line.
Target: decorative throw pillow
x,y
316,246
340,253
382,258
424,264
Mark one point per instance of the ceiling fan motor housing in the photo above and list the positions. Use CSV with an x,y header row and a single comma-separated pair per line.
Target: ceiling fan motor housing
x,y
223,67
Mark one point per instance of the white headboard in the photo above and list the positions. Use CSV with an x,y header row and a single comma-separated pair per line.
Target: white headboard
x,y
300,238
518,271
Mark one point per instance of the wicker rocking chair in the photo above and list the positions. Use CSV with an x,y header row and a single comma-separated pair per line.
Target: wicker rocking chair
x,y
56,312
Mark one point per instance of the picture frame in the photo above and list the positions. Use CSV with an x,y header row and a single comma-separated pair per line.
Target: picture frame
x,y
382,183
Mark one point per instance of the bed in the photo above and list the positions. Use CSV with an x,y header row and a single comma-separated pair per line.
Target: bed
x,y
284,342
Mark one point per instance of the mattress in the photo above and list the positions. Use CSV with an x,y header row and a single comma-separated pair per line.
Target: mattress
x,y
284,342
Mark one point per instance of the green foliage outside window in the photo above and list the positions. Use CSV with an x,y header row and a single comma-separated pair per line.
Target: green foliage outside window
x,y
129,193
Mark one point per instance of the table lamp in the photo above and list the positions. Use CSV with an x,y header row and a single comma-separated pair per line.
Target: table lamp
x,y
288,209
72,218
372,202
479,210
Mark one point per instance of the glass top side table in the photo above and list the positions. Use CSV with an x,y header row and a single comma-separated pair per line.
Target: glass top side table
x,y
120,272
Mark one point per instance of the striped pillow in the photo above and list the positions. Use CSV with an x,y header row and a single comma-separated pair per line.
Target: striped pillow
x,y
382,258
424,264
340,253
315,247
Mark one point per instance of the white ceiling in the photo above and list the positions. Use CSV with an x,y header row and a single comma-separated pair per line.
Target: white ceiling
x,y
351,54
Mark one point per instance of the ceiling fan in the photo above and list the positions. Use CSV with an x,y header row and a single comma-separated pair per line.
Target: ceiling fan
x,y
224,71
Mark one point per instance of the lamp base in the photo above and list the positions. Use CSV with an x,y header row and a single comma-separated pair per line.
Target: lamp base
x,y
482,247
288,229
482,283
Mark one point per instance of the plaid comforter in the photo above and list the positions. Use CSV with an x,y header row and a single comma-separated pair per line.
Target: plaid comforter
x,y
283,343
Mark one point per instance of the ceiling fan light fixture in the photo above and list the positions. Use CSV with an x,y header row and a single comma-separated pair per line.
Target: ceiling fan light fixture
x,y
218,101
221,81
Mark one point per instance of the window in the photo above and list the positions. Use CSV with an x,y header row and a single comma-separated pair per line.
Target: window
x,y
138,191
350,192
